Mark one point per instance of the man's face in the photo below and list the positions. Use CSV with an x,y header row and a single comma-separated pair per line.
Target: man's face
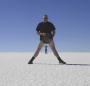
x,y
45,18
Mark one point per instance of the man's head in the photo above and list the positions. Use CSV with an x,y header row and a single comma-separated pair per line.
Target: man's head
x,y
45,18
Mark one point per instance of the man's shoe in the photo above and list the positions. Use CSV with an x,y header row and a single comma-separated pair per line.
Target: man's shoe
x,y
62,62
31,61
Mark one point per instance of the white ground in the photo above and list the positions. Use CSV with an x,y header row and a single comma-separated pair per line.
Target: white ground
x,y
14,70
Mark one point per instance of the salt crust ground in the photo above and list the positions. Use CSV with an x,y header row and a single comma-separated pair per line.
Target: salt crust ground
x,y
14,70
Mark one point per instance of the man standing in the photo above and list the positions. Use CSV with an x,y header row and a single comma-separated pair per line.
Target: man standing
x,y
46,31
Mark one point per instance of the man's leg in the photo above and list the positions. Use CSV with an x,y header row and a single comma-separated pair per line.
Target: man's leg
x,y
52,46
41,44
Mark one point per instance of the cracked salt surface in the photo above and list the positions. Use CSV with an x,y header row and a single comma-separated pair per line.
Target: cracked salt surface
x,y
14,71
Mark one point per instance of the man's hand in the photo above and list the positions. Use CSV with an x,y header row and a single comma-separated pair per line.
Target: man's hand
x,y
42,34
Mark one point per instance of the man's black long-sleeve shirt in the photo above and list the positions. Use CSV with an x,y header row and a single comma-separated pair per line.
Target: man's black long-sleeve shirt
x,y
45,27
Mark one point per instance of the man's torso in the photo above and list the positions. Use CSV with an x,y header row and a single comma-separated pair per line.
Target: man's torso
x,y
45,28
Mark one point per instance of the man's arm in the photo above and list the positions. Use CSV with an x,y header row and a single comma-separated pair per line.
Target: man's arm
x,y
38,30
53,33
53,30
